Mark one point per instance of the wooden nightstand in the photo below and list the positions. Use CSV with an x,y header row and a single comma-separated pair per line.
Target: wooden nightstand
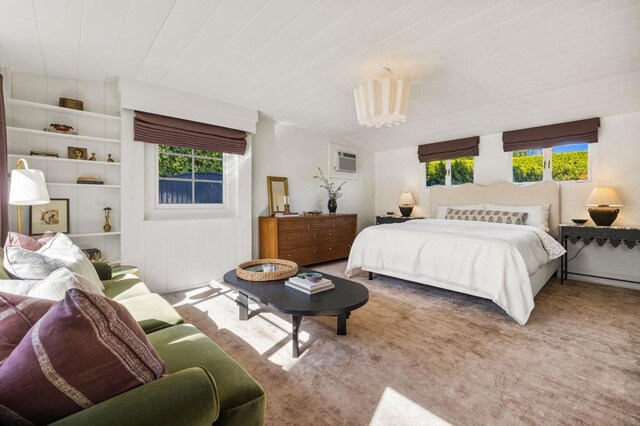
x,y
615,236
394,219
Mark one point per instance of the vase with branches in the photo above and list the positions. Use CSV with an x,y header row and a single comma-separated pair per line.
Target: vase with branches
x,y
333,193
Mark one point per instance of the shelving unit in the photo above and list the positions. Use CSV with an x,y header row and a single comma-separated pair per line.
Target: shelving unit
x,y
98,132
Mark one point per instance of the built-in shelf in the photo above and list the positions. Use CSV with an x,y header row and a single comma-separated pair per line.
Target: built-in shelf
x,y
61,110
67,160
84,185
94,234
60,135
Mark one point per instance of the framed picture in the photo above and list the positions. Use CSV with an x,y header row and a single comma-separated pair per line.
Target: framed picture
x,y
43,154
77,152
53,216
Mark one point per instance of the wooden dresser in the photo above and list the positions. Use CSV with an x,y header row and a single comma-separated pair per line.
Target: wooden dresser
x,y
307,239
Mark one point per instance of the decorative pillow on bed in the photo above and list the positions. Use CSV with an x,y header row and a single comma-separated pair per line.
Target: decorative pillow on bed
x,y
537,215
441,210
84,350
494,216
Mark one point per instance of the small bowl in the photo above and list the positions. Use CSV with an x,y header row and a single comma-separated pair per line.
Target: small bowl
x,y
313,277
579,221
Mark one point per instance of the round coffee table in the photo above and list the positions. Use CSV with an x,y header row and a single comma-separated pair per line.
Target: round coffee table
x,y
340,301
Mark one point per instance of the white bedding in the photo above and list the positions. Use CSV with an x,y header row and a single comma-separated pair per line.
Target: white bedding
x,y
480,258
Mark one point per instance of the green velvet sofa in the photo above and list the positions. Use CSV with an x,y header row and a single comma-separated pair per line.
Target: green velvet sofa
x,y
205,385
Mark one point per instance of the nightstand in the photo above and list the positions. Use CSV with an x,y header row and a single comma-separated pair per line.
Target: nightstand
x,y
394,219
616,236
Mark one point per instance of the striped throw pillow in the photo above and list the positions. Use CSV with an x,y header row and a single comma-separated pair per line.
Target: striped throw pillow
x,y
17,315
84,350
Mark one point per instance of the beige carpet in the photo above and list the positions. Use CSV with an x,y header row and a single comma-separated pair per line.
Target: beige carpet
x,y
420,355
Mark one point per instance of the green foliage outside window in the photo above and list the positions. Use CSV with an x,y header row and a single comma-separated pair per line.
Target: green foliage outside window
x,y
436,173
171,165
461,171
565,166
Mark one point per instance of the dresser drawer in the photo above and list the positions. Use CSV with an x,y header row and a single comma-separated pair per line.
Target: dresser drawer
x,y
294,240
303,256
337,235
337,250
346,222
323,223
293,225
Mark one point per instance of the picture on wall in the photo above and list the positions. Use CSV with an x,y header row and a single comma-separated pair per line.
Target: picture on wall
x,y
53,216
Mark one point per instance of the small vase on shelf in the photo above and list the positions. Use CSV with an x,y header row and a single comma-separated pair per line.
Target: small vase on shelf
x,y
332,205
107,225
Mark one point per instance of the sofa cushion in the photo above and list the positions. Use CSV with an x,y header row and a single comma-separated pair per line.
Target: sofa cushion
x,y
58,282
84,350
152,312
26,242
241,397
124,287
17,315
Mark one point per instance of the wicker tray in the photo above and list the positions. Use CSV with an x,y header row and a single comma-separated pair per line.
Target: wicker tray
x,y
284,269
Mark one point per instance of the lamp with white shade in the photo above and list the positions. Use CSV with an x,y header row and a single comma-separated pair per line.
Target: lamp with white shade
x,y
407,202
603,201
28,188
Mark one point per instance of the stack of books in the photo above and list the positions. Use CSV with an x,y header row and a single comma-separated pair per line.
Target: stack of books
x,y
308,287
90,180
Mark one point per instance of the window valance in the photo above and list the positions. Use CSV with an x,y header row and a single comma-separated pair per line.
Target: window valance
x,y
581,131
163,130
466,147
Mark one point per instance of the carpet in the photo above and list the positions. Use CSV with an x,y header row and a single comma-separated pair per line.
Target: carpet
x,y
420,355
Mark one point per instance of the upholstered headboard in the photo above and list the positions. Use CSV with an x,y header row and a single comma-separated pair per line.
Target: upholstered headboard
x,y
546,192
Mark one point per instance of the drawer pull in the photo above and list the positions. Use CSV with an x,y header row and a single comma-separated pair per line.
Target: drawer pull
x,y
330,234
289,255
330,249
289,238
314,235
314,252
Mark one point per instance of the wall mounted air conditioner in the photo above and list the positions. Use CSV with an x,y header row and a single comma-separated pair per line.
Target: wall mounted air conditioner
x,y
344,162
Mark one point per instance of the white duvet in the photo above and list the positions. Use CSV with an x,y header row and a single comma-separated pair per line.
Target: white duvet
x,y
485,259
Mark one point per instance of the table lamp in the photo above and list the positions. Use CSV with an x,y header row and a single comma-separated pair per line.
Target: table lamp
x,y
28,188
406,204
603,201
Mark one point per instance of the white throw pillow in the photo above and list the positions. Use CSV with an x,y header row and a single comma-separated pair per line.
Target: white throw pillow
x,y
441,210
58,282
29,265
62,248
537,215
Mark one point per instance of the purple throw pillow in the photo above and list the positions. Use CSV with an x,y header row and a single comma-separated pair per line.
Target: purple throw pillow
x,y
84,350
25,242
17,315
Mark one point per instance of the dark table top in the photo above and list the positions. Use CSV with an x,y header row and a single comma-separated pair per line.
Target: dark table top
x,y
345,297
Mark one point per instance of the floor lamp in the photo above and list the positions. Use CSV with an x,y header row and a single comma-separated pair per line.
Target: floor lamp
x,y
28,188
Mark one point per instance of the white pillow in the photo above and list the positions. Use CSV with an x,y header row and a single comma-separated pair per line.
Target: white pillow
x,y
58,282
29,265
62,248
441,210
537,215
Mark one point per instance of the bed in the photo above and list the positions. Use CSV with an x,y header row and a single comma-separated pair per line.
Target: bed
x,y
506,263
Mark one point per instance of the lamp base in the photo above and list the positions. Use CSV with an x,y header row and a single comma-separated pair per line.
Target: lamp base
x,y
405,210
603,216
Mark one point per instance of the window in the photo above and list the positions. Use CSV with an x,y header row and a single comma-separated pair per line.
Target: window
x,y
189,176
560,163
449,172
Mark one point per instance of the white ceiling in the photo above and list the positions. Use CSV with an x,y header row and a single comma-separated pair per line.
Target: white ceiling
x,y
477,66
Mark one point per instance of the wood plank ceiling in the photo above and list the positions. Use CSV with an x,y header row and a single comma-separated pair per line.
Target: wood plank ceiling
x,y
477,66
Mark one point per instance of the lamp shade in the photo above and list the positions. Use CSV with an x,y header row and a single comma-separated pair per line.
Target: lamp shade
x,y
28,188
604,196
406,199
